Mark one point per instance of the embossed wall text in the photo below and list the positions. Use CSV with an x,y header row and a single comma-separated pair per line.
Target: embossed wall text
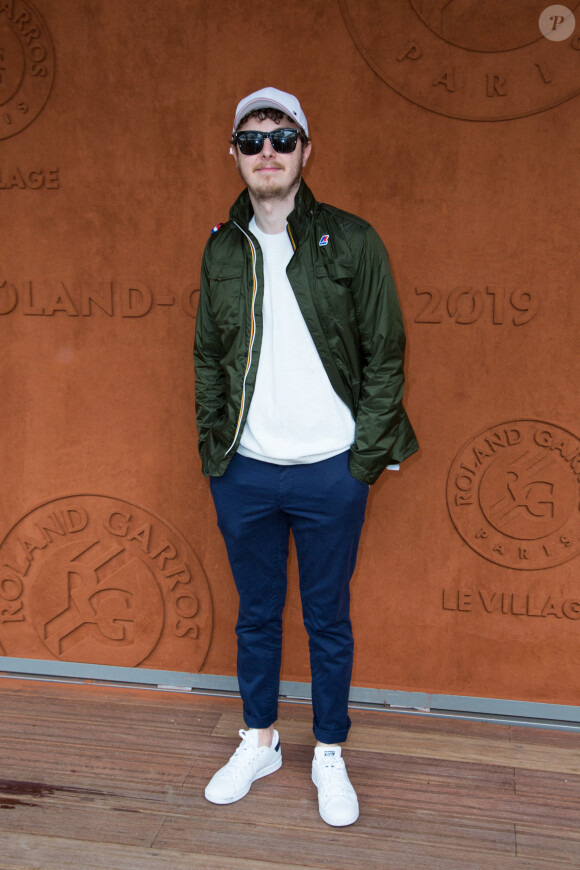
x,y
467,304
29,179
509,603
104,298
470,60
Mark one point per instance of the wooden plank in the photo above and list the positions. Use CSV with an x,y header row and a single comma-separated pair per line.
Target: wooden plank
x,y
150,736
100,714
439,775
387,718
313,844
103,765
473,750
89,704
81,822
545,785
25,852
547,737
556,844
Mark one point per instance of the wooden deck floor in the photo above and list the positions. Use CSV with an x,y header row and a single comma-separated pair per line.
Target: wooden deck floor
x,y
109,777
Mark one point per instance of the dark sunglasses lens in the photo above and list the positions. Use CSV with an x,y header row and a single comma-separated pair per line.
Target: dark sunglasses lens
x,y
251,142
284,141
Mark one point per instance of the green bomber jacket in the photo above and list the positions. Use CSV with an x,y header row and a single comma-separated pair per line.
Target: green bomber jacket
x,y
343,283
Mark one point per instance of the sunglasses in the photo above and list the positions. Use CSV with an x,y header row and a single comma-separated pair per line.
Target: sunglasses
x,y
252,141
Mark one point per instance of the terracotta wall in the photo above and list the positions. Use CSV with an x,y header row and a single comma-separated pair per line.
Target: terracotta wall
x,y
453,127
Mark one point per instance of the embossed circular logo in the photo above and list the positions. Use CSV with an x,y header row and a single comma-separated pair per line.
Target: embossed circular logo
x,y
89,578
26,65
475,61
513,494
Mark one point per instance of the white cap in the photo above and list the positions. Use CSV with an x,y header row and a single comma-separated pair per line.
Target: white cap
x,y
275,99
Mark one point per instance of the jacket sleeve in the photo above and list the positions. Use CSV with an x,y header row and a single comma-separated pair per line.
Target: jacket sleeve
x,y
383,432
210,393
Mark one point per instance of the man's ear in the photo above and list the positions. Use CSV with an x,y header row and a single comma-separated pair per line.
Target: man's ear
x,y
306,149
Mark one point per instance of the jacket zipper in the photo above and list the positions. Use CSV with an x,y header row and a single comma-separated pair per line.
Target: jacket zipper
x,y
291,237
253,329
252,337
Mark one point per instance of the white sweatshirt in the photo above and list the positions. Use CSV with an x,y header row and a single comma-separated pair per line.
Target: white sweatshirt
x,y
295,415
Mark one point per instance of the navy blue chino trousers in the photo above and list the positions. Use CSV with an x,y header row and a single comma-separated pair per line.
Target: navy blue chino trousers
x,y
257,504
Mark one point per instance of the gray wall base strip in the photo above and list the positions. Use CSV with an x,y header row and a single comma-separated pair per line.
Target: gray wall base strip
x,y
487,709
109,673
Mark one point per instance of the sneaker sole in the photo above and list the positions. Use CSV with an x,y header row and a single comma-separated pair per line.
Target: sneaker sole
x,y
338,824
272,768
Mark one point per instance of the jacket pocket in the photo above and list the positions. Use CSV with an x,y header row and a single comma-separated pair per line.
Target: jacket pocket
x,y
225,290
333,288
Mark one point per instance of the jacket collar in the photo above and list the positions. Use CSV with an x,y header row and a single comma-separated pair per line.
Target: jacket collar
x,y
299,218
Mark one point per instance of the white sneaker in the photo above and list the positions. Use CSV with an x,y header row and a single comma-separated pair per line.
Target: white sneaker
x,y
248,763
337,800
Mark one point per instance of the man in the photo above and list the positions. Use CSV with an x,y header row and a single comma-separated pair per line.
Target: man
x,y
299,381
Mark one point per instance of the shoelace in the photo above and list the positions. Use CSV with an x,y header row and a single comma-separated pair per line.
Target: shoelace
x,y
242,755
334,776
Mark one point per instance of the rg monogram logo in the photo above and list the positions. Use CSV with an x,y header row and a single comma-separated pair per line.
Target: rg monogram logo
x,y
513,494
91,578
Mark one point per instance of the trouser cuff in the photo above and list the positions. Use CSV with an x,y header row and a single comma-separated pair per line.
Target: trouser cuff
x,y
260,721
331,736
